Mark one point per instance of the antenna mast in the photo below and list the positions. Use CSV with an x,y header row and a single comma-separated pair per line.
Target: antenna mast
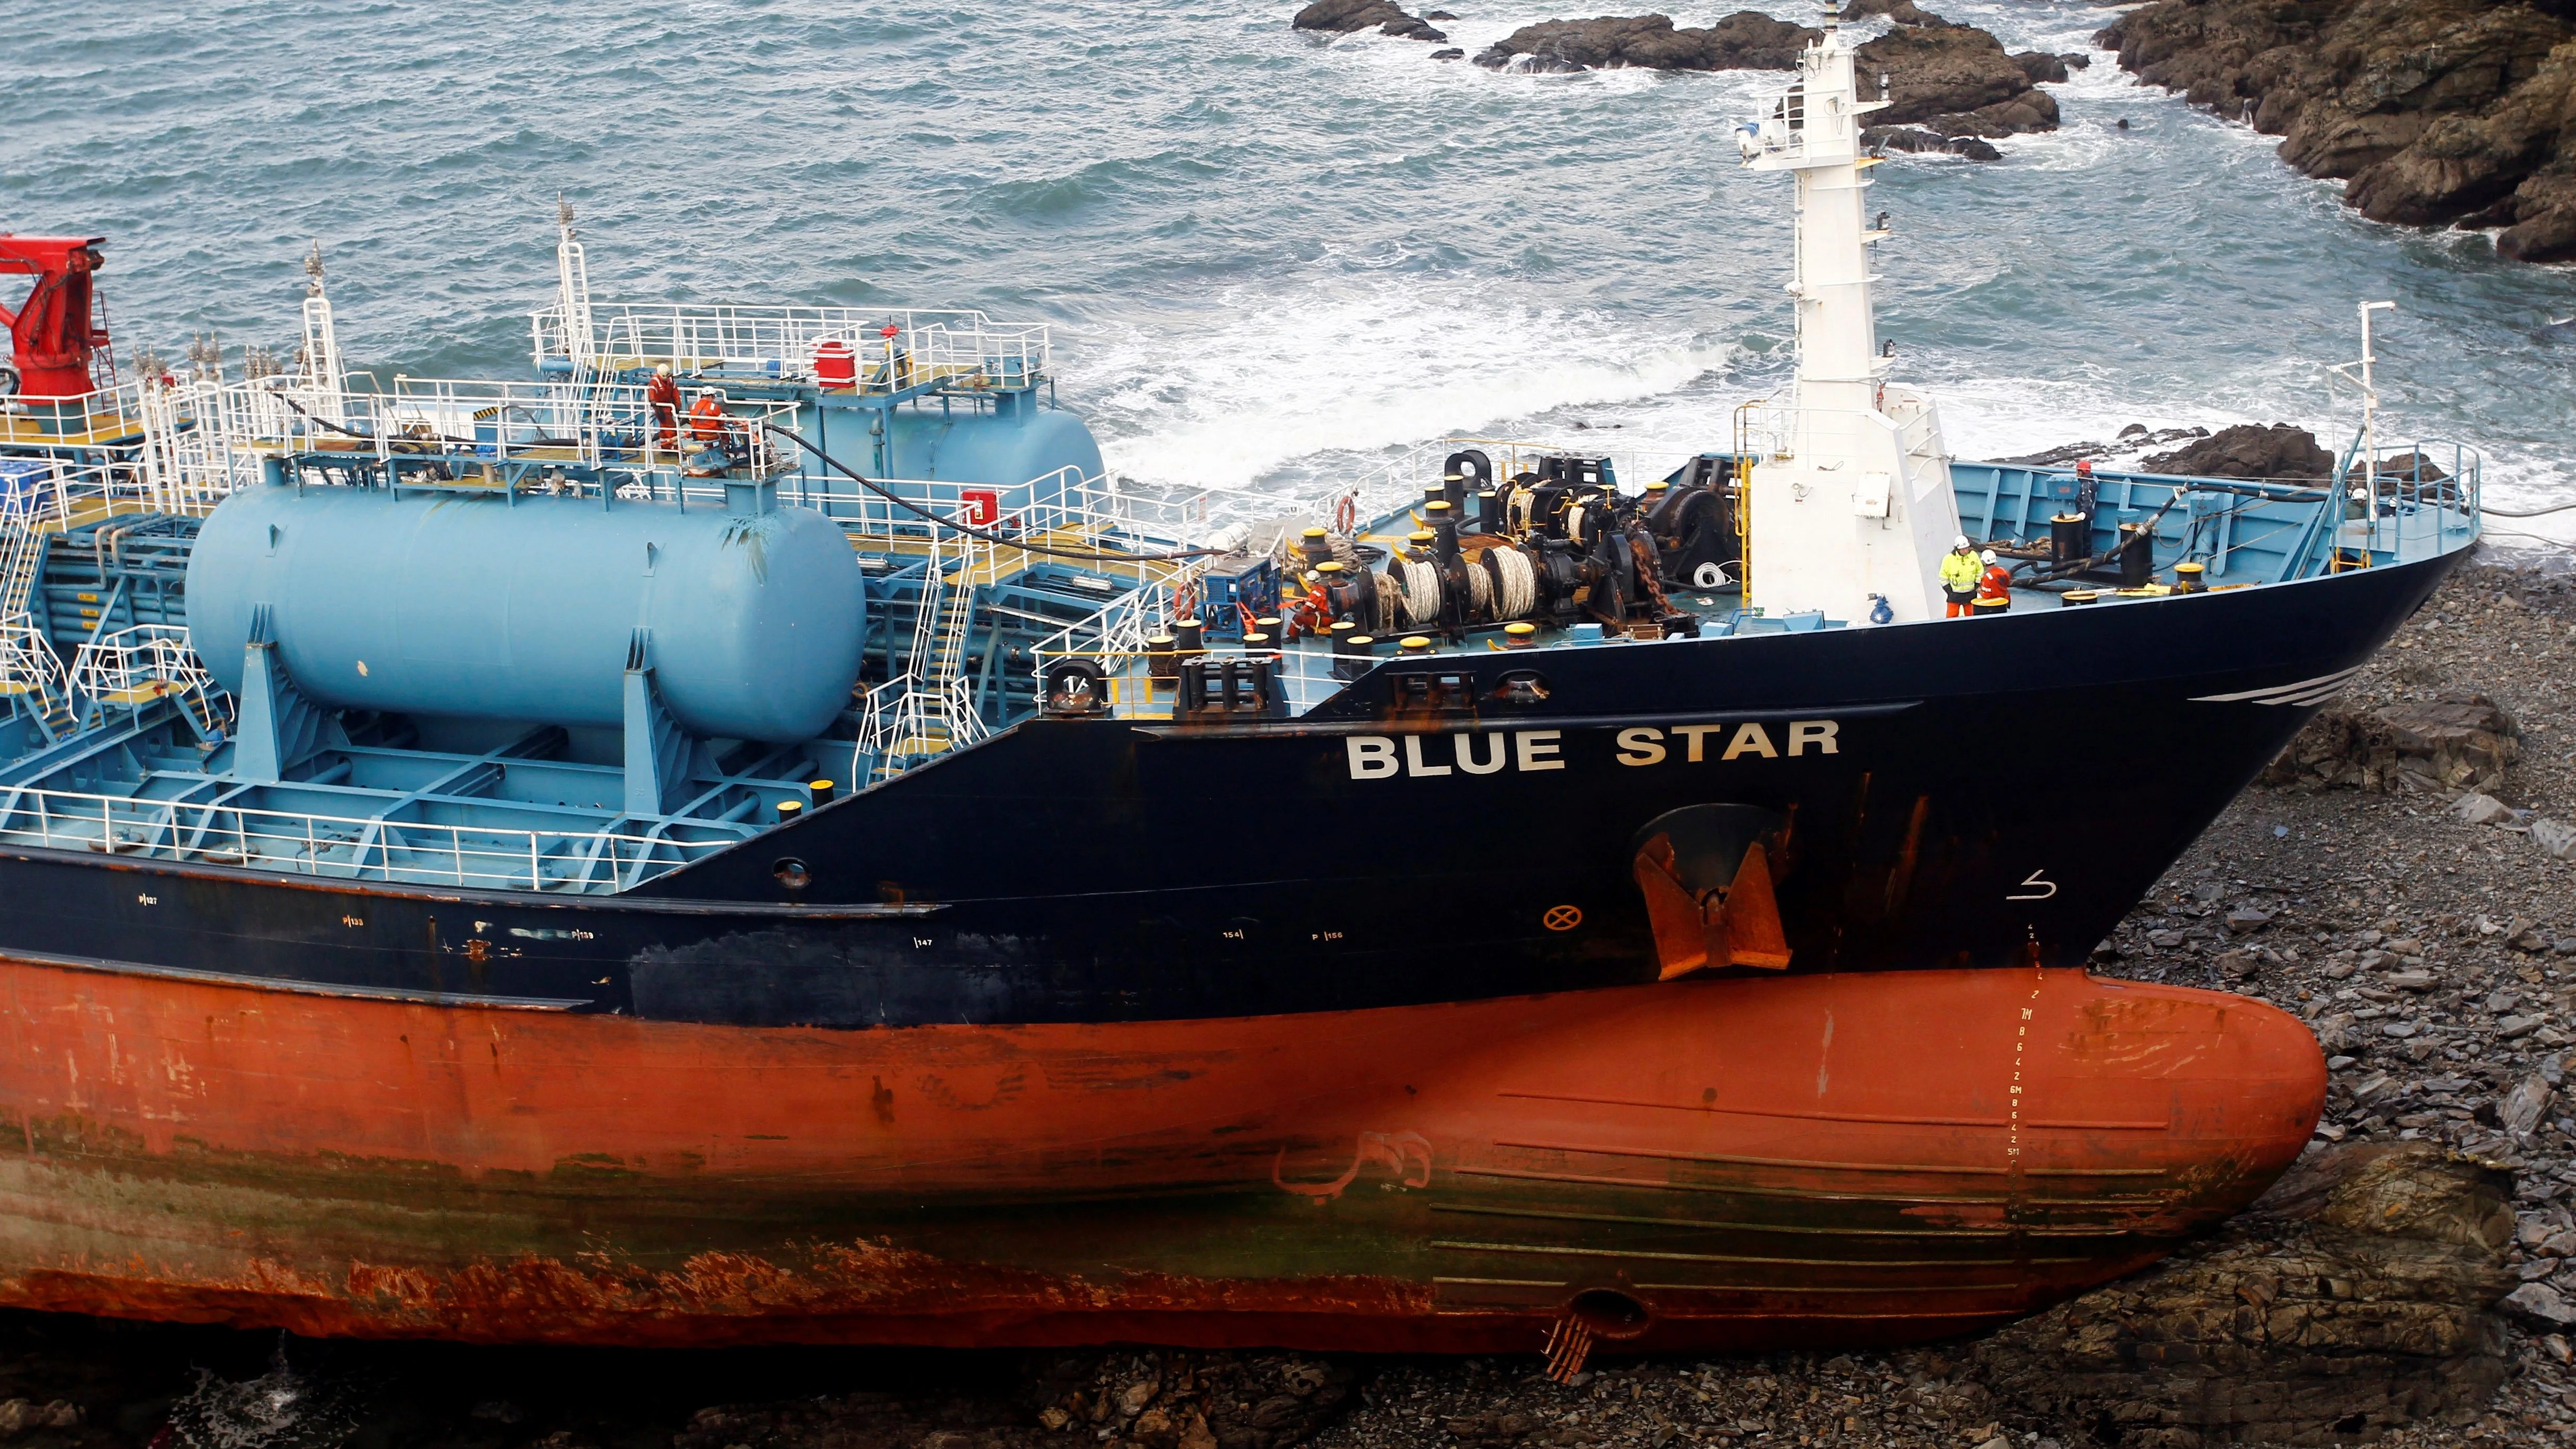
x,y
323,377
1853,497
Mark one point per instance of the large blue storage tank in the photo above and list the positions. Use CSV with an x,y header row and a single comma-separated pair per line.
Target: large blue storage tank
x,y
484,607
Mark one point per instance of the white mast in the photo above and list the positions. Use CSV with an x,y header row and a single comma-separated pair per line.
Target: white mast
x,y
323,379
572,291
2356,536
1855,499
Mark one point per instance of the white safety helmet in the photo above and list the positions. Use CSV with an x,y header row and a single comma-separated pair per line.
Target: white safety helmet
x,y
1959,543
665,371
1988,555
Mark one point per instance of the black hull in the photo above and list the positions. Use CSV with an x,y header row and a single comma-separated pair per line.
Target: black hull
x,y
1987,791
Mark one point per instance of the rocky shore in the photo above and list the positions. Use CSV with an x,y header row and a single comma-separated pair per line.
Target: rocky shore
x,y
2405,880
1951,87
1946,81
2435,112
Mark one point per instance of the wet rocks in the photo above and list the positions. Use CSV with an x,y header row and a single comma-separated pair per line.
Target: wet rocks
x,y
20,1416
1133,1398
1341,17
1900,12
2355,1297
1956,80
281,1409
2252,451
1916,139
1951,80
1181,1400
1746,40
2435,111
2134,438
2040,67
2458,741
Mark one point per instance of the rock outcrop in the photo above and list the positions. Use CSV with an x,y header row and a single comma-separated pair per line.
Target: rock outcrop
x,y
2357,1296
1902,12
1916,139
2435,111
2456,741
2251,451
1746,40
1953,80
1341,17
1956,80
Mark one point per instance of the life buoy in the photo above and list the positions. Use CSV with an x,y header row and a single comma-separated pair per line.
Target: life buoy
x,y
1346,514
1185,601
707,418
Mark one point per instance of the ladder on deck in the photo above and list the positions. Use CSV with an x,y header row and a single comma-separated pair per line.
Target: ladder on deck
x,y
30,674
31,677
928,707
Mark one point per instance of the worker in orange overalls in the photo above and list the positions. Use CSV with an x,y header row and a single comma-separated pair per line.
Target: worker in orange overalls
x,y
662,398
707,418
1996,581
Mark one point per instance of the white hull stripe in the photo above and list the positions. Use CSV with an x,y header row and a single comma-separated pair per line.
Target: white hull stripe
x,y
2305,691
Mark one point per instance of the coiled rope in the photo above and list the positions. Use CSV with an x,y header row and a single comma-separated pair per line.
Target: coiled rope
x,y
1390,599
1519,583
1421,591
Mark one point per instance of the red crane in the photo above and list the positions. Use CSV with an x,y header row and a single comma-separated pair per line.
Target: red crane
x,y
52,335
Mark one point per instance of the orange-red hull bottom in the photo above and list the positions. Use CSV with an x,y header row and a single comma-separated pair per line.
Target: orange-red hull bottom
x,y
1697,1164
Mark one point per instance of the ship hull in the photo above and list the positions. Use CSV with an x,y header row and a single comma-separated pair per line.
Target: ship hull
x,y
1977,793
1697,1164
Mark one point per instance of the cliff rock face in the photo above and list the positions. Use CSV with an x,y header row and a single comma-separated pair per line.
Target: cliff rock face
x,y
2435,111
2357,1296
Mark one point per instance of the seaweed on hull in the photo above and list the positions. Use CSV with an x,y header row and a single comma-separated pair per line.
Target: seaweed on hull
x,y
2435,111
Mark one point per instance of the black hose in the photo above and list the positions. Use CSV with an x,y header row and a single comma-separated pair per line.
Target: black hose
x,y
324,422
908,506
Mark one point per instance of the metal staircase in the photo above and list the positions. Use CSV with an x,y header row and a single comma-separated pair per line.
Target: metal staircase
x,y
928,707
31,676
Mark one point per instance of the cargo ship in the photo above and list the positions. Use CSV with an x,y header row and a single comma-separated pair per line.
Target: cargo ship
x,y
749,834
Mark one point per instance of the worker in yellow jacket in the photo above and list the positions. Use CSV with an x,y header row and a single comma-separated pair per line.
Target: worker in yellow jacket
x,y
1960,570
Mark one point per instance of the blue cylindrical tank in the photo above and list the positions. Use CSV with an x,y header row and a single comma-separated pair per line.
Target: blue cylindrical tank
x,y
1012,446
482,607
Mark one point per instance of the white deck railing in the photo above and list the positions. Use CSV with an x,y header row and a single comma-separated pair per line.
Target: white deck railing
x,y
144,662
545,424
343,847
953,348
29,668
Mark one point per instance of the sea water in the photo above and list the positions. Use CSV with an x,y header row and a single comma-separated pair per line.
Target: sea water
x,y
1273,260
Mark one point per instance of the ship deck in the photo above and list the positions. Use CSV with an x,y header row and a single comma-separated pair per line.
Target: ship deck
x,y
117,741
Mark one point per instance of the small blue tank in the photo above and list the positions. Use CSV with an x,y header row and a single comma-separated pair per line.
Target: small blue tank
x,y
481,607
1013,447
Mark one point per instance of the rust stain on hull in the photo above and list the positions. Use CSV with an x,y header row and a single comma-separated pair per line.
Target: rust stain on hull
x,y
1445,1178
